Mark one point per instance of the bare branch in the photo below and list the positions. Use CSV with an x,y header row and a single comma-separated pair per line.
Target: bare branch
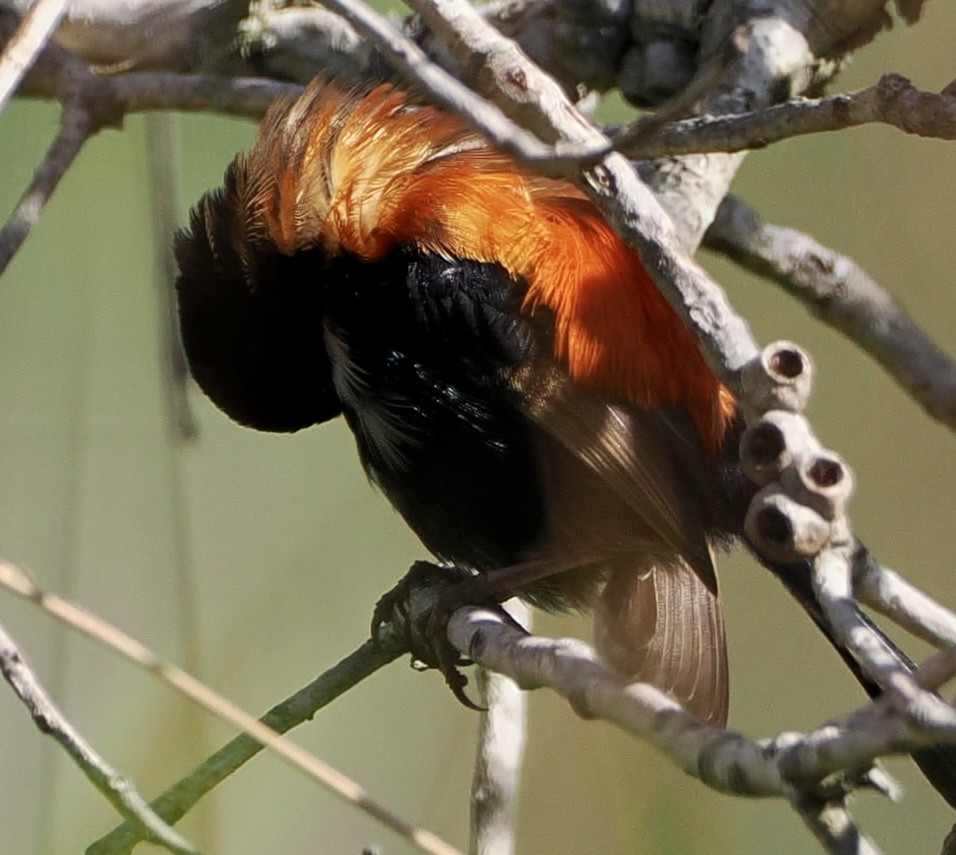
x,y
26,43
298,708
721,759
451,94
75,129
75,616
501,738
119,790
890,594
174,35
832,584
92,102
846,297
833,588
142,91
163,155
891,101
291,43
246,97
833,827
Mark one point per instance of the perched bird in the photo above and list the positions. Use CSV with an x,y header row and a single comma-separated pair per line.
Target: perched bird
x,y
516,384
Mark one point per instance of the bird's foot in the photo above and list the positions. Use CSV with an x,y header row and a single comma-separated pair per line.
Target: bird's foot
x,y
420,606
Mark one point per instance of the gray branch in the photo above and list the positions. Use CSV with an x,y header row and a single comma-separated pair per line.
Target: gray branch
x,y
25,44
806,769
75,130
177,800
843,295
367,659
501,740
893,101
118,789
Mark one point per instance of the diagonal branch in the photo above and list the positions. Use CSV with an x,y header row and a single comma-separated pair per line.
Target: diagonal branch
x,y
26,44
889,593
75,129
453,95
177,800
118,789
846,297
893,101
16,581
806,769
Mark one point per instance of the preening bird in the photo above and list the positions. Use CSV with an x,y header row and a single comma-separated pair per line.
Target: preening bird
x,y
517,386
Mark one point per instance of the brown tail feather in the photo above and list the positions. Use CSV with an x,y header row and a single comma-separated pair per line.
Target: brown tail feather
x,y
662,625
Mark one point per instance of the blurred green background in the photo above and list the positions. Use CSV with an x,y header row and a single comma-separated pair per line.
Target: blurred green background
x,y
281,547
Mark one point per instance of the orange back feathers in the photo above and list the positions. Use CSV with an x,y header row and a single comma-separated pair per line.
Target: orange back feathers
x,y
369,173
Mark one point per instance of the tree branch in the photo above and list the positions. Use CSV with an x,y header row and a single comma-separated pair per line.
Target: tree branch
x,y
798,767
119,790
893,100
448,92
501,738
26,43
75,129
369,657
92,102
845,297
723,760
891,595
177,800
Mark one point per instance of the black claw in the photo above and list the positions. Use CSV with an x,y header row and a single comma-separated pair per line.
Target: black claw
x,y
426,634
456,682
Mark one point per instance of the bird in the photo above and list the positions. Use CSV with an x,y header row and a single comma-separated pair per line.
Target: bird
x,y
517,386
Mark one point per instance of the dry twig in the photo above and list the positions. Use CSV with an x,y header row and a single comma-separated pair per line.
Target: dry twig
x,y
843,295
501,738
16,581
893,101
26,43
118,789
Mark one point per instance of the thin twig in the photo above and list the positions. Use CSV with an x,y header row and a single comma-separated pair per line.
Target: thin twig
x,y
724,760
16,581
75,129
92,102
890,594
846,297
453,95
833,586
246,97
833,827
119,790
893,101
301,706
501,739
164,156
26,44
142,91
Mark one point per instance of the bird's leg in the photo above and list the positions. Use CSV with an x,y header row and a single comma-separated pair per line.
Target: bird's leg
x,y
420,606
